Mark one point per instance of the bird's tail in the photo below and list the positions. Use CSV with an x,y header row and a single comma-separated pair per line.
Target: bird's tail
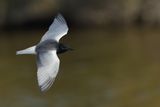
x,y
30,50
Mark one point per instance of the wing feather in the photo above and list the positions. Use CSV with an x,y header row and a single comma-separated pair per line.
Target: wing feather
x,y
57,29
48,65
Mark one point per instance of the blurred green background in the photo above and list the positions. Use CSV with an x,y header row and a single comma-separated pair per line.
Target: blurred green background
x,y
116,62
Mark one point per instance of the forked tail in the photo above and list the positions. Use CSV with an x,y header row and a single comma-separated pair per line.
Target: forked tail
x,y
30,50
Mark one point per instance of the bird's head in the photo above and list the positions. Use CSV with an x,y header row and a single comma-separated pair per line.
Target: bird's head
x,y
63,48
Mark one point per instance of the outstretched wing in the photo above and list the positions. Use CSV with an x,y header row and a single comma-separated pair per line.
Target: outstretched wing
x,y
48,65
57,29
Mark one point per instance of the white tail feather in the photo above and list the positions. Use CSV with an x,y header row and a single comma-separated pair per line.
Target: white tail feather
x,y
30,50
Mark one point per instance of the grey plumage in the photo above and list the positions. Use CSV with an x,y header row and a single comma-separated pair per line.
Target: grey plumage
x,y
46,51
48,65
57,30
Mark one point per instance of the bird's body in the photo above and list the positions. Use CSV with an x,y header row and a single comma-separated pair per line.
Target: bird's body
x,y
47,45
46,51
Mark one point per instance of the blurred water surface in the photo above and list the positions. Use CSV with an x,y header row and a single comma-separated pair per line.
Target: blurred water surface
x,y
109,68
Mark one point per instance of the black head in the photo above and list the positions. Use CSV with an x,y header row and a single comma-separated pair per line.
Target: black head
x,y
62,48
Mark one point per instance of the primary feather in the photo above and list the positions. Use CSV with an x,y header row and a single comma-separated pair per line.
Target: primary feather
x,y
48,65
57,29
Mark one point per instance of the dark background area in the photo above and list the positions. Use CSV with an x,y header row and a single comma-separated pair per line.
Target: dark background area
x,y
116,61
86,13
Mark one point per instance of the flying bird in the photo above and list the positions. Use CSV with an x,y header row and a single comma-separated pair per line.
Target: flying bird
x,y
46,52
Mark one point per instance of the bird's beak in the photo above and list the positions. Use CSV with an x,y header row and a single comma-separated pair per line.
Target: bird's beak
x,y
70,49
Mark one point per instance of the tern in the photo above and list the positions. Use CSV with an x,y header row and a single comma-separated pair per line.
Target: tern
x,y
46,52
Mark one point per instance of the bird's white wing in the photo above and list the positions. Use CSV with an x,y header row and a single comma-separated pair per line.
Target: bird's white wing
x,y
48,65
57,29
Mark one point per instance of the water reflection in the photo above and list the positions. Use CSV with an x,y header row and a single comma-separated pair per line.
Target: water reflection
x,y
108,68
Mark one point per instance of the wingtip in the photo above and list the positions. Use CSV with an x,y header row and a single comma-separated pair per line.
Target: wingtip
x,y
46,85
59,14
44,89
60,18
